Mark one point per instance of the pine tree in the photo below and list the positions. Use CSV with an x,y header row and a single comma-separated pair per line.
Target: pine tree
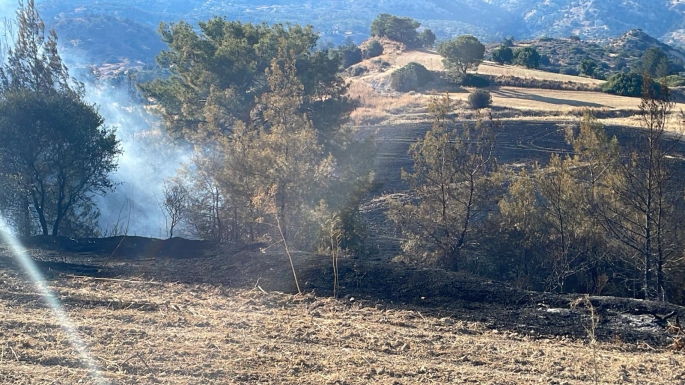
x,y
451,185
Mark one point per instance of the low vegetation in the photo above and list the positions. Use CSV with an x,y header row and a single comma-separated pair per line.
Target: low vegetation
x,y
480,99
410,77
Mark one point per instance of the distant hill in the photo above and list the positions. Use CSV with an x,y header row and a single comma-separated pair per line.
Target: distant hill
x,y
107,39
565,54
490,20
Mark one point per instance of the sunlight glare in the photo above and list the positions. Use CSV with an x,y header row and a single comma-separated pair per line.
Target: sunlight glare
x,y
49,298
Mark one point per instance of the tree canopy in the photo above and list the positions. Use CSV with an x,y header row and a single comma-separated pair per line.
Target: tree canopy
x,y
55,152
218,76
503,55
527,57
655,63
587,67
461,54
402,29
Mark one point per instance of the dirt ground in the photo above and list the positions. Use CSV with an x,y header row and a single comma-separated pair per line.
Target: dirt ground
x,y
223,316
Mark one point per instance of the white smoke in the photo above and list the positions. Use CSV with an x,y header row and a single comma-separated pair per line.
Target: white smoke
x,y
148,159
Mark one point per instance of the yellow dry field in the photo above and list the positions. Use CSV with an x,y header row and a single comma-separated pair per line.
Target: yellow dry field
x,y
379,104
166,333
433,61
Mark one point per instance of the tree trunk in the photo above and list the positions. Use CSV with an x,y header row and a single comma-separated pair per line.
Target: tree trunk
x,y
41,214
26,212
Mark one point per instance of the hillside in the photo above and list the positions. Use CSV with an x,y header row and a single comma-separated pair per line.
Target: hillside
x,y
490,20
564,55
518,92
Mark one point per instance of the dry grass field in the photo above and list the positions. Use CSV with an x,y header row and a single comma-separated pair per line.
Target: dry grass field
x,y
433,61
380,104
142,332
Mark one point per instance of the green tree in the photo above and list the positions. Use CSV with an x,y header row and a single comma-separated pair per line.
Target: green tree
x,y
451,185
373,49
401,29
461,54
587,67
655,63
427,38
350,54
527,57
625,84
503,55
54,148
218,75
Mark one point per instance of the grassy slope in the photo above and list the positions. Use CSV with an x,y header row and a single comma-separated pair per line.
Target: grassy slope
x,y
381,104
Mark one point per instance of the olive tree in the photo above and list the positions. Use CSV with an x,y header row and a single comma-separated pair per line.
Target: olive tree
x,y
461,54
55,151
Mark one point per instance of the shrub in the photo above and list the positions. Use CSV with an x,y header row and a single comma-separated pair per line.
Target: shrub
x,y
626,84
675,81
569,71
527,56
480,99
350,55
599,74
410,77
577,50
373,49
545,60
473,80
503,55
357,71
587,67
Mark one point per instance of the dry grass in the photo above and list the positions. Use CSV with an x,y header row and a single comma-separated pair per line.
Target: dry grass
x,y
433,61
379,104
494,69
201,334
557,100
376,107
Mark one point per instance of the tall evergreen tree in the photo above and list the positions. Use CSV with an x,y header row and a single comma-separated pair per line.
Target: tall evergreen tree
x,y
218,76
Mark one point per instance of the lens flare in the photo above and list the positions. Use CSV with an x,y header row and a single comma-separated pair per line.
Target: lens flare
x,y
49,298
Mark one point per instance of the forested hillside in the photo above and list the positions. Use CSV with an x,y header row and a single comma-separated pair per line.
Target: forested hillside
x,y
489,20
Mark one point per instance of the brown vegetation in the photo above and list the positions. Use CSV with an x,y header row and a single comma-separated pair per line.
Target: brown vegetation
x,y
142,330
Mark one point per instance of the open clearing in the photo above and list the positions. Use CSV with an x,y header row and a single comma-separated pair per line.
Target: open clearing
x,y
143,327
381,104
433,61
